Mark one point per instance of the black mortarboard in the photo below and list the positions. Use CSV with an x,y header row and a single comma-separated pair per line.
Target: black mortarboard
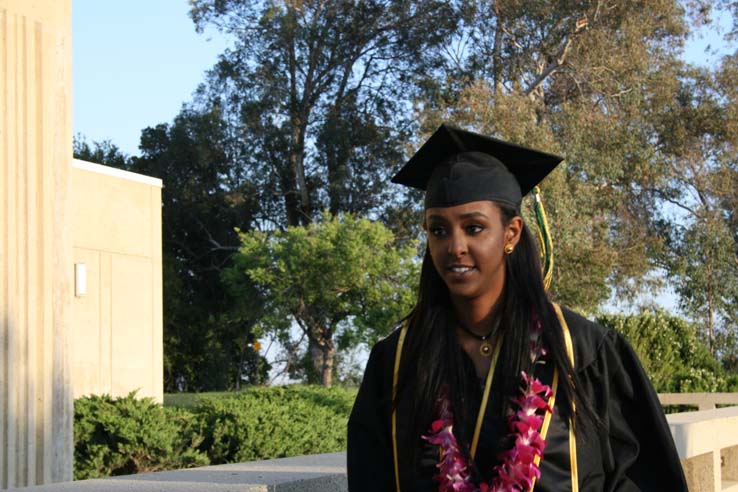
x,y
455,166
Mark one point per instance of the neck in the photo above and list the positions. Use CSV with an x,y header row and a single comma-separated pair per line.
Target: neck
x,y
477,314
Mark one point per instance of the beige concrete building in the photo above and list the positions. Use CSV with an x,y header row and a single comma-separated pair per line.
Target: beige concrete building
x,y
117,308
36,241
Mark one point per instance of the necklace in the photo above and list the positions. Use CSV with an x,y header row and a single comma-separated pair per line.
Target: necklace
x,y
485,348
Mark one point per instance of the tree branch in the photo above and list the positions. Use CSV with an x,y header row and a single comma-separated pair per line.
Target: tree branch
x,y
666,198
560,57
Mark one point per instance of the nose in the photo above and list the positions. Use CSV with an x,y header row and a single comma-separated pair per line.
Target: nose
x,y
457,245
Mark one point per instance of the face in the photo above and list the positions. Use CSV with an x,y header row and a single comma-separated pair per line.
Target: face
x,y
466,243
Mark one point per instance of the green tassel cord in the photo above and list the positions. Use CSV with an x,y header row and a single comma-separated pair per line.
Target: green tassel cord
x,y
544,239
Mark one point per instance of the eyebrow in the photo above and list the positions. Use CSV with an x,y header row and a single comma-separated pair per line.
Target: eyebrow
x,y
463,216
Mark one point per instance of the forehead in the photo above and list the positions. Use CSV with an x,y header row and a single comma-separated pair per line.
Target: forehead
x,y
481,209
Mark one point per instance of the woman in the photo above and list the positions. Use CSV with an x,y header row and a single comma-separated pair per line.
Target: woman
x,y
488,385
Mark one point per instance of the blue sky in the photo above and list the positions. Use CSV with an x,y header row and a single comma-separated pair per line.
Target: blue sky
x,y
133,64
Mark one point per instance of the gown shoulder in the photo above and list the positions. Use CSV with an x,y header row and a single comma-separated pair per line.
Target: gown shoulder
x,y
633,449
369,456
587,338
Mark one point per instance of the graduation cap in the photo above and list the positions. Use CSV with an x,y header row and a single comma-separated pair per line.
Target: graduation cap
x,y
455,166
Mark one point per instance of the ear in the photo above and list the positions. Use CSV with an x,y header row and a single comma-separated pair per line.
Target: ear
x,y
513,231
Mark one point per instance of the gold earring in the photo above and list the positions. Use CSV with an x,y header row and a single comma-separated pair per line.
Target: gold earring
x,y
508,249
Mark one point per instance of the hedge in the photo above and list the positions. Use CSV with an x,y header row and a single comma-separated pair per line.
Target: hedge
x,y
120,436
115,436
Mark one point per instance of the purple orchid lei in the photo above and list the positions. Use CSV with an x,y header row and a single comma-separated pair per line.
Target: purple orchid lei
x,y
518,468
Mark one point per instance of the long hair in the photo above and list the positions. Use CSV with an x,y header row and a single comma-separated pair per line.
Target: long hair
x,y
433,361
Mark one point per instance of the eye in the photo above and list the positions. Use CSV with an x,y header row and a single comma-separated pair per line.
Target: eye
x,y
474,229
437,231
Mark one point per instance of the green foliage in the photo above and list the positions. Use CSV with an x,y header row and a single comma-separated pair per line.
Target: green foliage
x,y
318,92
115,436
119,436
731,383
341,280
641,131
207,336
703,262
191,400
105,153
670,350
265,423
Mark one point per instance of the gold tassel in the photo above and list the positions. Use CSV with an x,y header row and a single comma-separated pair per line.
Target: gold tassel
x,y
544,238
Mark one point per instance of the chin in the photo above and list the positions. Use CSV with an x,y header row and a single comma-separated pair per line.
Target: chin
x,y
463,293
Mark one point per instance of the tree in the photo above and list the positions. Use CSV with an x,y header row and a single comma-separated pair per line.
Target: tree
x,y
700,143
105,152
208,336
590,80
316,95
340,280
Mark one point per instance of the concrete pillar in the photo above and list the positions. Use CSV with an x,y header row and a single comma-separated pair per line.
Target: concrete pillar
x,y
700,473
36,277
729,464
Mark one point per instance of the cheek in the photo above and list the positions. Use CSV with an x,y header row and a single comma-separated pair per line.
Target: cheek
x,y
491,252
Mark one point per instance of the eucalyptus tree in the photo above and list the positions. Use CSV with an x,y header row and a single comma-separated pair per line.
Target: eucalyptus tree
x,y
700,141
592,80
317,95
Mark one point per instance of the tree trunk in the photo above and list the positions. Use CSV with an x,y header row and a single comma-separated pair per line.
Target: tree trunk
x,y
239,370
323,354
497,56
710,329
295,192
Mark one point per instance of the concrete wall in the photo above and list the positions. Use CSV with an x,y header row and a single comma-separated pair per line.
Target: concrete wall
x,y
35,242
117,342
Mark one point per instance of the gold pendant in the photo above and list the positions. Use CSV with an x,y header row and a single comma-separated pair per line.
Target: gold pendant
x,y
485,348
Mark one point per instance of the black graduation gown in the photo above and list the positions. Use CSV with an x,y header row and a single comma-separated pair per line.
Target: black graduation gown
x,y
634,451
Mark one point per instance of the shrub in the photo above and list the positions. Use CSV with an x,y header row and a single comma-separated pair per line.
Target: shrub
x,y
265,423
128,435
670,351
118,436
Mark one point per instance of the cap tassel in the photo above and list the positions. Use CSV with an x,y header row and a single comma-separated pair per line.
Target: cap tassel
x,y
544,239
